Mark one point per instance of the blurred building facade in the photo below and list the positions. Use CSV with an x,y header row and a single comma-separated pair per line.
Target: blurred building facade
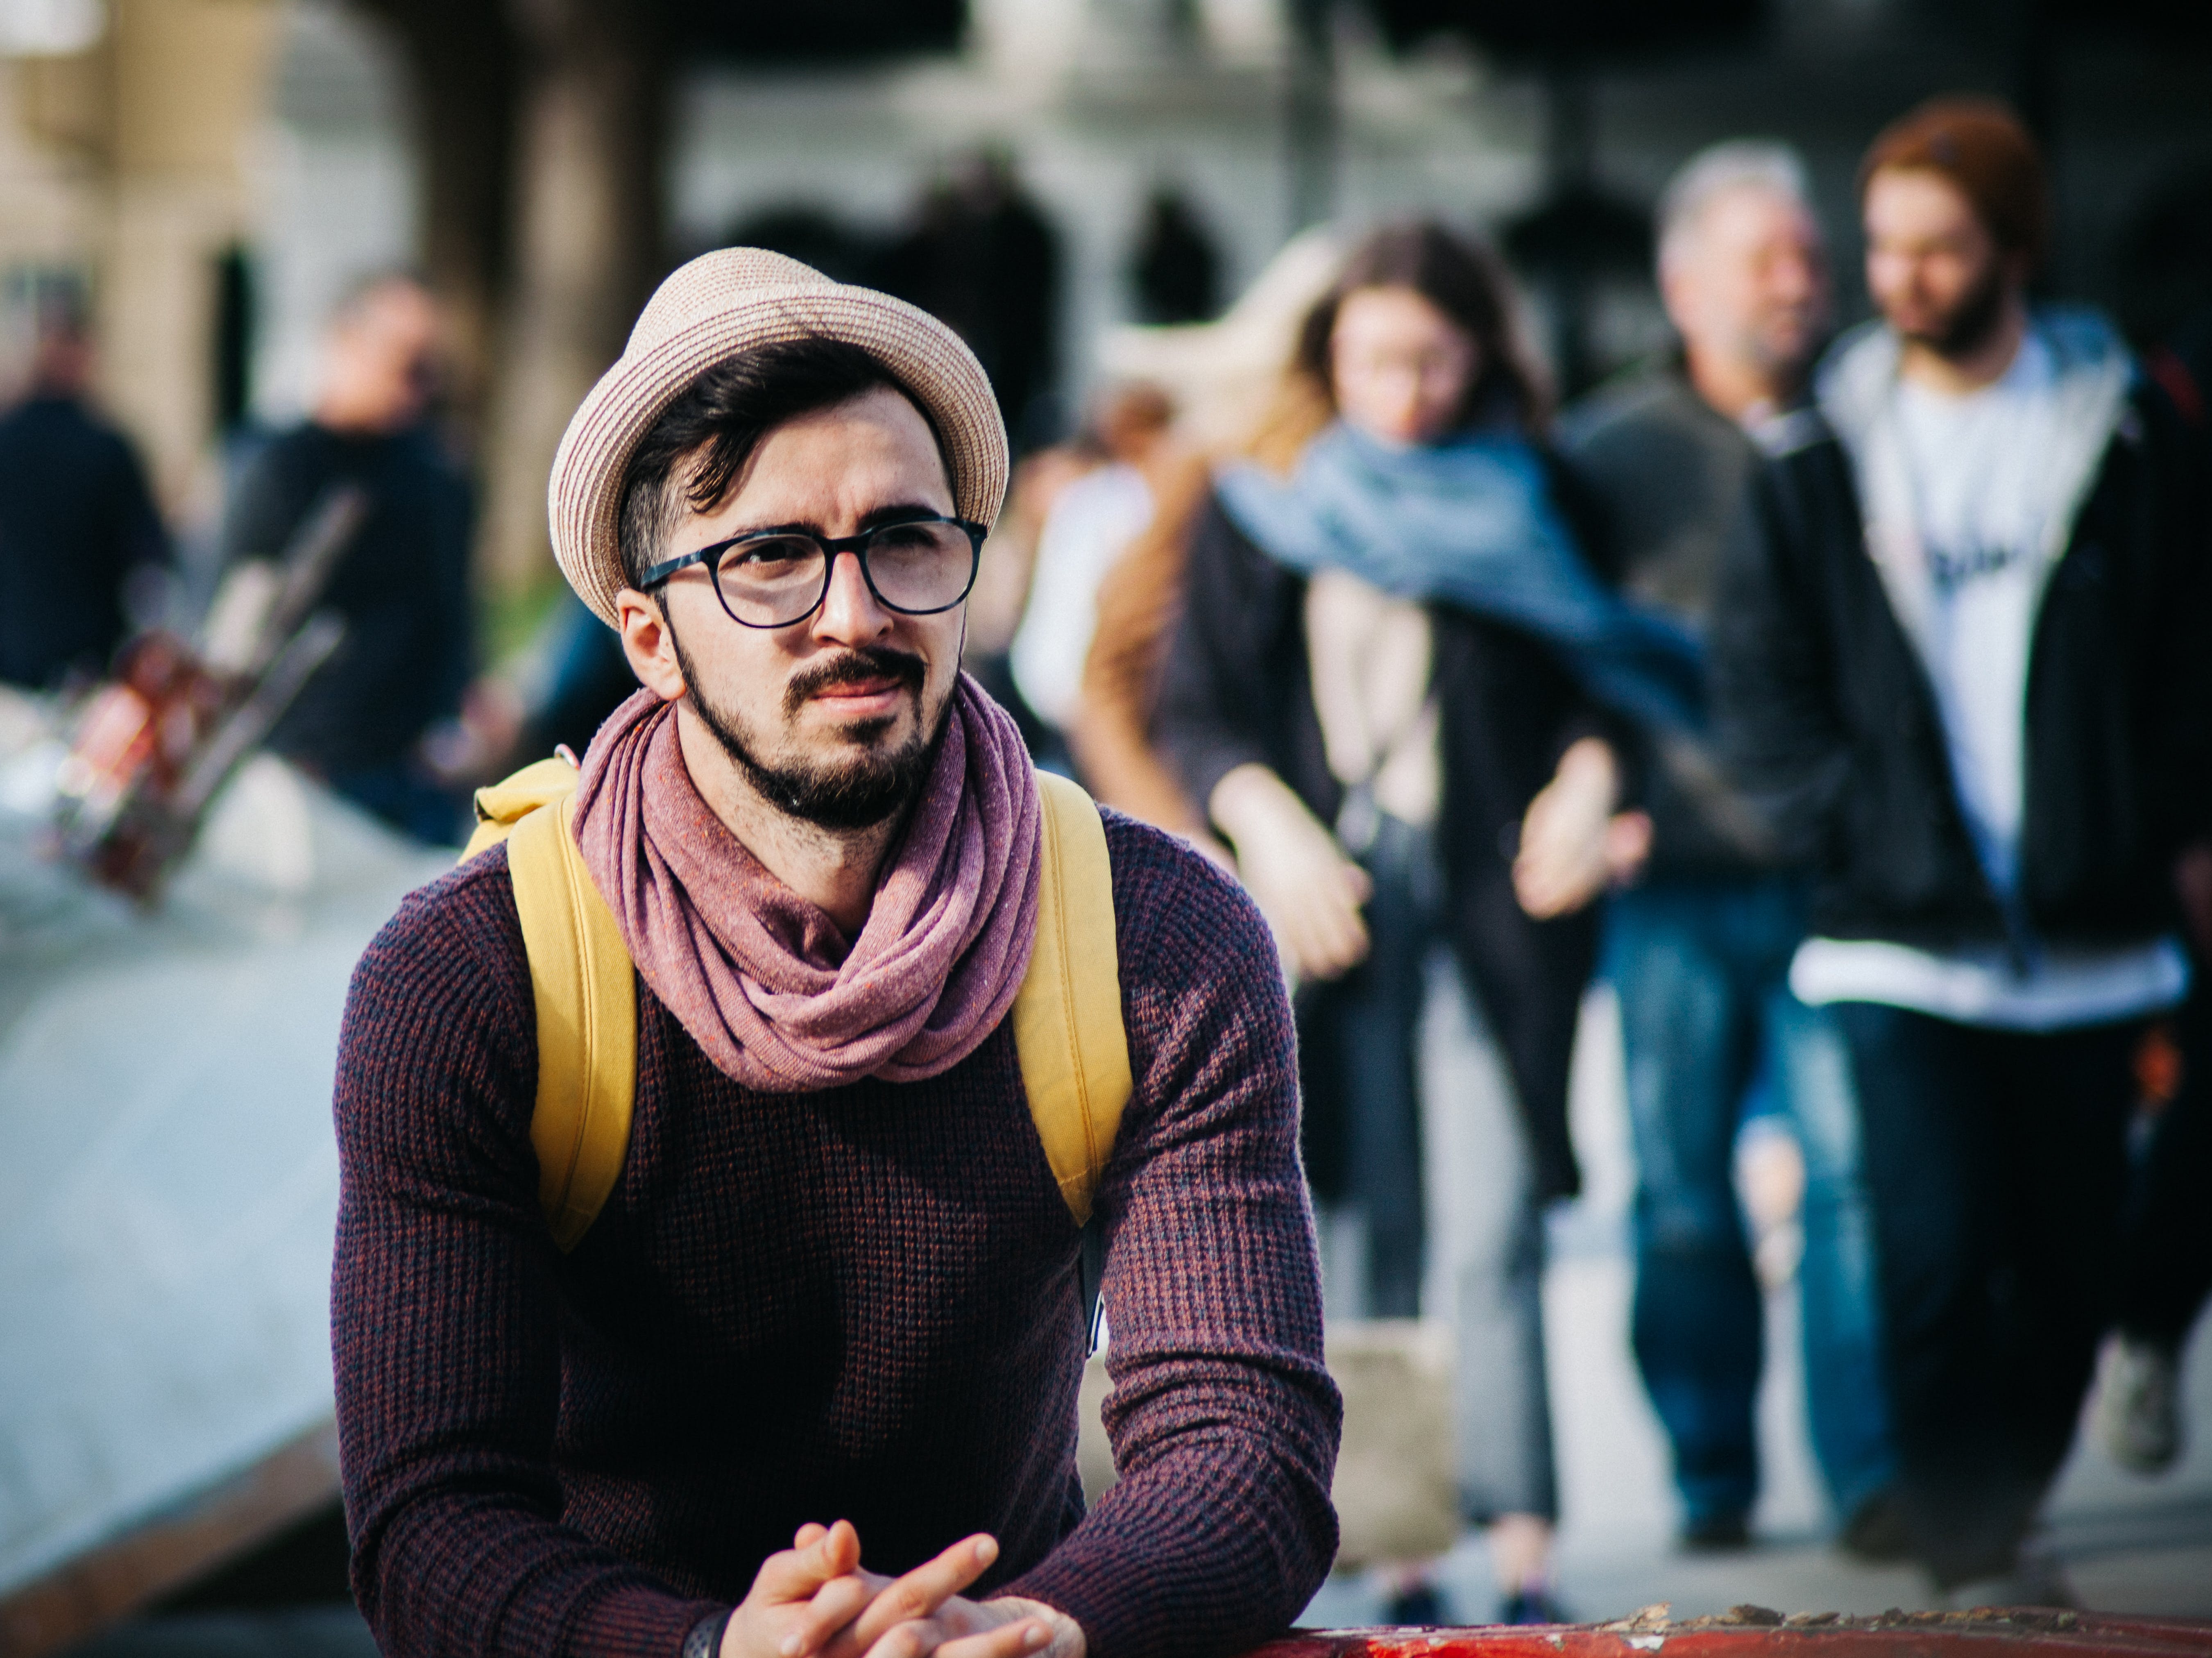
x,y
124,178
135,160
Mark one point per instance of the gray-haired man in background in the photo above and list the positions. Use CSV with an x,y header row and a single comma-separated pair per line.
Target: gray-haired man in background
x,y
1699,952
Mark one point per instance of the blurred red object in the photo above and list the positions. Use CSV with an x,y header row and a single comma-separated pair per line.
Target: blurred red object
x,y
1749,1630
135,744
153,743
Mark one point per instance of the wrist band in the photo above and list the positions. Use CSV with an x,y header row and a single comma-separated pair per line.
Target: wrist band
x,y
704,1639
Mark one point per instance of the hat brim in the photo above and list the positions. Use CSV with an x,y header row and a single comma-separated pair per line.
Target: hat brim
x,y
930,362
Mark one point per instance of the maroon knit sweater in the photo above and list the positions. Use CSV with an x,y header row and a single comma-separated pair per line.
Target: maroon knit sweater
x,y
859,1302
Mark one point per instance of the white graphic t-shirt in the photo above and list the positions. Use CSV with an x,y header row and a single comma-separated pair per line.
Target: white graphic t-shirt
x,y
1979,466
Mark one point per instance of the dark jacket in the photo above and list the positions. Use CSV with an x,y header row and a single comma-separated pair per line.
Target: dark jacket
x,y
76,521
1237,690
1666,473
1830,720
402,587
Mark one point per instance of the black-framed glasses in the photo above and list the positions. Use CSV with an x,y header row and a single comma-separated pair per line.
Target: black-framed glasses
x,y
916,566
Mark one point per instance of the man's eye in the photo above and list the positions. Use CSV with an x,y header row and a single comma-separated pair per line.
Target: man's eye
x,y
763,557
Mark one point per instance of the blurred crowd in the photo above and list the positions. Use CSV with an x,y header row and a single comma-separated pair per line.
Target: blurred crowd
x,y
1838,700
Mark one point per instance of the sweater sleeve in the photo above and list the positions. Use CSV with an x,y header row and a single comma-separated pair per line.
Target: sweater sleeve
x,y
443,1316
1223,1418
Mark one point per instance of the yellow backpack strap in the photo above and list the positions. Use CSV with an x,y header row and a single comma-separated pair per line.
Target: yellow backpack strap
x,y
500,806
1067,1016
1068,1034
586,996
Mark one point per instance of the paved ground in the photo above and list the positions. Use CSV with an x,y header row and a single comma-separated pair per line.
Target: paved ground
x,y
2128,1544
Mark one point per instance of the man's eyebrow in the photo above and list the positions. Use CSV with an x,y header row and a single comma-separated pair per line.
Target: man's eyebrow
x,y
898,512
795,527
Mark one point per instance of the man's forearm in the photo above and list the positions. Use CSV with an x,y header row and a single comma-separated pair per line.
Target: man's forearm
x,y
460,1574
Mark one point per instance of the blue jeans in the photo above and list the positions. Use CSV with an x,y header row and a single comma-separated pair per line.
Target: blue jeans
x,y
1701,971
1377,1008
1439,1169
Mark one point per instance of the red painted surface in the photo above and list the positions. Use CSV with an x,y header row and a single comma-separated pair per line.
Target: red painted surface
x,y
1741,1635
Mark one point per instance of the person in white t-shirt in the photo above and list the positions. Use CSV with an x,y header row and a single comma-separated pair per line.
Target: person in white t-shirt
x,y
1961,661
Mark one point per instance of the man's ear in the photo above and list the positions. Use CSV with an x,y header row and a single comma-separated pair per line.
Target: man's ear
x,y
648,644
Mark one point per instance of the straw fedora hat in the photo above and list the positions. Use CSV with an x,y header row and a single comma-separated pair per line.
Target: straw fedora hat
x,y
727,302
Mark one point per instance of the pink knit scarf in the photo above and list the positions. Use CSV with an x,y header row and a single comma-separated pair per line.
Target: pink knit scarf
x,y
766,983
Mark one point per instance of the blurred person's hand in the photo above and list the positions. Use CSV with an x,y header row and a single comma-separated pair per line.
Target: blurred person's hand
x,y
1573,844
814,1599
1310,892
479,746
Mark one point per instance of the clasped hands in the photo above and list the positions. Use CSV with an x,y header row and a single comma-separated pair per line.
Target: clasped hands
x,y
1574,843
814,1600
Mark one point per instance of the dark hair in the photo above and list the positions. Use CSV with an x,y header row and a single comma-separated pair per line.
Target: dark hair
x,y
725,413
1462,279
1982,149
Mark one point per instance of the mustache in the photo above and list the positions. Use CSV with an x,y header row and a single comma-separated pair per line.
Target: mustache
x,y
854,668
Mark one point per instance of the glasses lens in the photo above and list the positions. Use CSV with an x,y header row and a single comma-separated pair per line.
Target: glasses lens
x,y
772,581
921,567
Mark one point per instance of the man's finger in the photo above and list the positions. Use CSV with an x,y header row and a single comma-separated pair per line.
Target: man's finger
x,y
917,1637
796,1574
833,1606
927,1586
1026,1635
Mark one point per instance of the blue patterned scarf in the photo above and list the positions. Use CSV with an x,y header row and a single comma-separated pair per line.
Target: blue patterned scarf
x,y
1469,522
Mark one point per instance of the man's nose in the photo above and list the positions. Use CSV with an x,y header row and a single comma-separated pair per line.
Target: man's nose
x,y
1795,278
850,614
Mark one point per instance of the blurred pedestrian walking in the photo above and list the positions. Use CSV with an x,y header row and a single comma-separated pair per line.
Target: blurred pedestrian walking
x,y
402,583
1223,376
1391,650
982,257
1962,655
2166,1260
1175,269
1699,951
1094,518
82,546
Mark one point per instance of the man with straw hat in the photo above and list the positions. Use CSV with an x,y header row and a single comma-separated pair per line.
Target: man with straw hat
x,y
807,1384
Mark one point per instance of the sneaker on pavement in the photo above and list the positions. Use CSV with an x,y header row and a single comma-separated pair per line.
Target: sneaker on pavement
x,y
1875,1533
1415,1605
1532,1603
1716,1533
2035,1579
2138,1410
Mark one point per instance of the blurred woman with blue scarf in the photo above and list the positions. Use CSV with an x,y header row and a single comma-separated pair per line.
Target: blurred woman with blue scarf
x,y
1401,691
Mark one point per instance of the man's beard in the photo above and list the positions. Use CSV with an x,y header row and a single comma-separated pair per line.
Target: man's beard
x,y
1973,321
1781,345
854,794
